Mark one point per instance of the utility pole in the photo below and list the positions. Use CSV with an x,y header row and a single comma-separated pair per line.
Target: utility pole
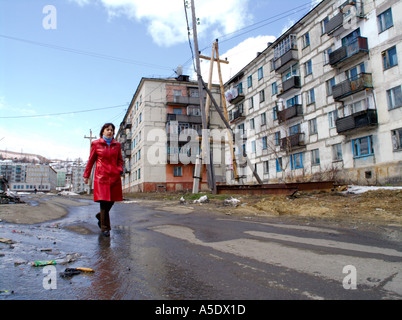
x,y
90,143
205,147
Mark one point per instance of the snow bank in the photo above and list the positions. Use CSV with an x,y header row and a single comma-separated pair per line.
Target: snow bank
x,y
362,189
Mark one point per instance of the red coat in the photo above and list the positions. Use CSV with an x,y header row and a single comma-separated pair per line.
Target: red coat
x,y
109,166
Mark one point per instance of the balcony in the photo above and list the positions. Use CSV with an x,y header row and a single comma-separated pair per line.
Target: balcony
x,y
283,62
288,113
334,24
183,118
292,142
237,115
346,88
361,119
346,54
233,96
291,83
180,100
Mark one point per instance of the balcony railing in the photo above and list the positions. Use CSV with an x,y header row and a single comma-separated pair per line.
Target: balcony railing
x,y
293,141
288,113
291,83
361,119
183,118
346,88
237,115
183,100
334,23
355,49
283,62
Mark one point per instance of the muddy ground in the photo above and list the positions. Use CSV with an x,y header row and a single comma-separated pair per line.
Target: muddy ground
x,y
381,207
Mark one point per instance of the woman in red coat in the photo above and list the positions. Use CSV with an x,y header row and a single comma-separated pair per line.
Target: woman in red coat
x,y
106,152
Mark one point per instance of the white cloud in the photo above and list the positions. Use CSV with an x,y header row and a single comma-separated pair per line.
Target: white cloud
x,y
45,145
238,58
166,19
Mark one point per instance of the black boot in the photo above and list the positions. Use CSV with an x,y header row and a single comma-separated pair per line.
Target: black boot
x,y
98,217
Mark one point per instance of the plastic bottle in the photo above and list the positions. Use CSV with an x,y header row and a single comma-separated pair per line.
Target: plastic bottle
x,y
43,263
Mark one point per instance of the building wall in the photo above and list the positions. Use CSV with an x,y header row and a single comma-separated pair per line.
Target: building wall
x,y
146,161
383,164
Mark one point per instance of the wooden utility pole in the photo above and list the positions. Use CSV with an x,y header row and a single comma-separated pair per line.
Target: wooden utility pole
x,y
205,147
90,143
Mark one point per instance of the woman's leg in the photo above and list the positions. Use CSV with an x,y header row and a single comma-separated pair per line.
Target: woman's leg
x,y
105,207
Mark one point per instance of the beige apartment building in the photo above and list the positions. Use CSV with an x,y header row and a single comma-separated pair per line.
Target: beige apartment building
x,y
160,136
324,100
28,177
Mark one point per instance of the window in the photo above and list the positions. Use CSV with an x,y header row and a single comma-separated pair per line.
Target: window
x,y
308,68
240,88
323,25
390,58
249,81
177,111
241,129
260,73
363,147
310,96
274,88
313,126
396,136
275,113
306,40
262,95
177,171
330,83
279,164
263,119
326,55
139,173
266,167
252,124
296,161
384,20
315,156
264,143
332,116
176,93
394,98
251,103
277,138
253,147
294,129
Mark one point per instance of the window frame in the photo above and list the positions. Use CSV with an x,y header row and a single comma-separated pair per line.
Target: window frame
x,y
381,23
356,147
386,61
293,161
391,100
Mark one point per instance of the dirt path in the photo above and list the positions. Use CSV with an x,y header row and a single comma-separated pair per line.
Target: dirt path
x,y
37,208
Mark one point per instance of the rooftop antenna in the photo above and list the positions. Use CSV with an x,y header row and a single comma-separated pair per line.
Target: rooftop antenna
x,y
179,70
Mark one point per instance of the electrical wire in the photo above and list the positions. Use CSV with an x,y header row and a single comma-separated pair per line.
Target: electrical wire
x,y
62,113
86,53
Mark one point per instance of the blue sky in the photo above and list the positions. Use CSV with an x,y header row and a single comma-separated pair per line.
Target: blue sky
x,y
96,53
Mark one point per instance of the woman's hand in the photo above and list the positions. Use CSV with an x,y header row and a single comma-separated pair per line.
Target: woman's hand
x,y
86,180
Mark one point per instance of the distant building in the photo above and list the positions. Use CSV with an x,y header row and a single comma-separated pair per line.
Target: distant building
x,y
28,177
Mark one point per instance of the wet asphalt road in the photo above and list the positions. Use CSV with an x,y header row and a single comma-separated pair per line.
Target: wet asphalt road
x,y
157,254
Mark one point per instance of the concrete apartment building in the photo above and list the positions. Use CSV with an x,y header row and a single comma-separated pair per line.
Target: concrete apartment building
x,y
324,100
28,177
160,136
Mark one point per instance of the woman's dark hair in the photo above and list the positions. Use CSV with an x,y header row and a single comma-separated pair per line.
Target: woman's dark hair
x,y
106,125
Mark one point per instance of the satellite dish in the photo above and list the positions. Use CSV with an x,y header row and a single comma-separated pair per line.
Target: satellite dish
x,y
179,70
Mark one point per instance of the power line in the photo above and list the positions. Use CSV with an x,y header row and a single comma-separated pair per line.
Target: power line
x,y
86,53
63,113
